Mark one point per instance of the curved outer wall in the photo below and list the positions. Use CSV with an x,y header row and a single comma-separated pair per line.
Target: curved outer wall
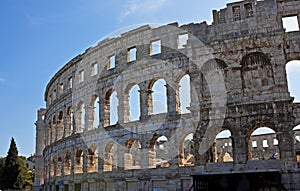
x,y
237,70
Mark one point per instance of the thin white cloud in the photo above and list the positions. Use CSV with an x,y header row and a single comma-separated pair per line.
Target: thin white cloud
x,y
2,80
141,6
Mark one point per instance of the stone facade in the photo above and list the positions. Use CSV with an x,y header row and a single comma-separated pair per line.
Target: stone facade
x,y
237,72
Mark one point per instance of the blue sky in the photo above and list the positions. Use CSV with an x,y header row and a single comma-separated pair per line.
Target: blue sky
x,y
38,37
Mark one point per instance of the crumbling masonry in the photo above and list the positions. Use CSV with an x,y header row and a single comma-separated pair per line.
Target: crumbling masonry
x,y
237,72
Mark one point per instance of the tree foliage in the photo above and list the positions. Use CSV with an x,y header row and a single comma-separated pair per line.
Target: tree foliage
x,y
13,170
11,167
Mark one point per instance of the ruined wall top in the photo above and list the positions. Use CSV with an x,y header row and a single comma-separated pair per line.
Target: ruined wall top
x,y
238,20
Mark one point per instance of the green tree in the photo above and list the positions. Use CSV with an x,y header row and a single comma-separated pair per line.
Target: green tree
x,y
2,163
11,167
25,176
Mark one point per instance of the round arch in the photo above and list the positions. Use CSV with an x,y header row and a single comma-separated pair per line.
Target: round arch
x,y
292,73
262,141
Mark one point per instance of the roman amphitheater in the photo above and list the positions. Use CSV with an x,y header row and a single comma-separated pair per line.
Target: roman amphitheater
x,y
177,107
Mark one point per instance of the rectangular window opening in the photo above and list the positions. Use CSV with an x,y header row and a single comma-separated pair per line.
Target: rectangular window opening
x,y
290,24
61,88
182,40
275,142
265,144
70,83
249,10
81,76
131,54
155,47
254,144
236,13
111,63
94,69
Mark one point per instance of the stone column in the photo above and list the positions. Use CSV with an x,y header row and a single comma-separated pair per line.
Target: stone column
x,y
240,149
120,158
201,157
63,164
102,110
84,160
56,127
54,165
65,125
145,95
106,112
145,159
121,108
89,117
286,145
100,162
72,161
173,102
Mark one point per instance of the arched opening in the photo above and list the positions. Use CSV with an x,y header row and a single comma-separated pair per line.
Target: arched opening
x,y
186,153
159,97
263,144
257,67
78,161
52,163
67,170
111,108
134,103
160,151
80,118
92,159
110,157
185,94
293,70
297,143
96,111
222,148
47,166
58,165
114,102
132,156
53,130
70,118
60,127
49,133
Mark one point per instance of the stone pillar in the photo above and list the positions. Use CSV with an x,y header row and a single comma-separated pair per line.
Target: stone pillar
x,y
102,110
145,95
41,140
73,161
120,159
121,108
106,112
201,157
60,129
54,165
56,127
78,122
65,125
89,117
240,149
173,155
173,101
100,163
145,159
84,161
63,164
286,145
73,122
